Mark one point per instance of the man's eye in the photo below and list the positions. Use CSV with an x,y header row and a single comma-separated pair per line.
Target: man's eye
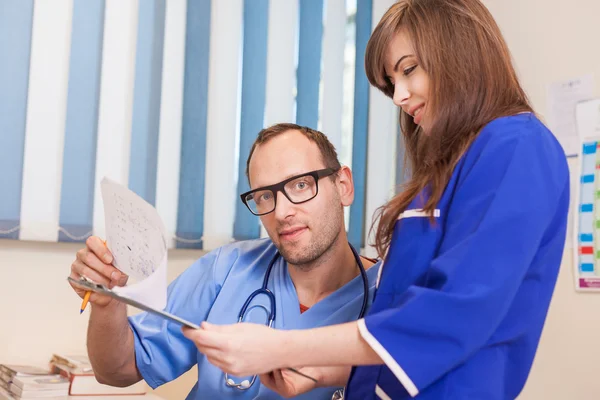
x,y
259,198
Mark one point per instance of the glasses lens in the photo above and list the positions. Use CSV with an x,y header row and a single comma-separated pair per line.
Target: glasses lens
x,y
301,189
261,202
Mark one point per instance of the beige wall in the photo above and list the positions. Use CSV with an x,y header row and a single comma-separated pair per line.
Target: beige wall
x,y
566,365
550,40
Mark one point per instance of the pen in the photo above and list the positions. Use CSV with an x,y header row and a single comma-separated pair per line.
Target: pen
x,y
302,374
86,298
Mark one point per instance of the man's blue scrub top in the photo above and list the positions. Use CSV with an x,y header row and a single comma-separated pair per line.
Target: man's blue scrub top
x,y
214,289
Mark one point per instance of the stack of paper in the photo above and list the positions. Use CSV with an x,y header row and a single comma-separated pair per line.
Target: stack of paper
x,y
78,370
27,382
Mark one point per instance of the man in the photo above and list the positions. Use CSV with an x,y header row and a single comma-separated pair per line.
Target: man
x,y
299,190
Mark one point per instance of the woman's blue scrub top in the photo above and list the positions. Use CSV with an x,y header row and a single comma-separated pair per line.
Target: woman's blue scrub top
x,y
461,303
214,289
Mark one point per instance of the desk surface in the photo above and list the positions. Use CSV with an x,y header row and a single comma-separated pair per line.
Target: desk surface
x,y
147,396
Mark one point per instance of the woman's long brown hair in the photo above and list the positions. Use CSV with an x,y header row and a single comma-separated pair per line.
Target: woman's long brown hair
x,y
472,82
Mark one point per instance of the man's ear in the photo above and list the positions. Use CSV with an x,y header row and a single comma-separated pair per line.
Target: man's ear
x,y
345,185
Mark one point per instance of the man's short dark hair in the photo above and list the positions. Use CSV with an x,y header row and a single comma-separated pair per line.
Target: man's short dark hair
x,y
328,153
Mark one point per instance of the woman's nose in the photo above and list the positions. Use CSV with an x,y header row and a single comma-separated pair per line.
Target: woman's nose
x,y
401,94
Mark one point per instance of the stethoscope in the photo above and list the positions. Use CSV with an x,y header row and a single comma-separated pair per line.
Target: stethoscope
x,y
246,384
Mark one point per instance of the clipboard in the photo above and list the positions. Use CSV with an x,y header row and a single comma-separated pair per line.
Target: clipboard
x,y
95,287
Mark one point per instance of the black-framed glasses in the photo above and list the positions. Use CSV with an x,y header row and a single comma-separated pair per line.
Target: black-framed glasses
x,y
297,189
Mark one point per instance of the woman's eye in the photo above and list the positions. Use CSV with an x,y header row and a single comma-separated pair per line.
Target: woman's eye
x,y
407,71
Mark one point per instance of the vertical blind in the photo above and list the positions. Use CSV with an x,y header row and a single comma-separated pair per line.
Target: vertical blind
x,y
167,97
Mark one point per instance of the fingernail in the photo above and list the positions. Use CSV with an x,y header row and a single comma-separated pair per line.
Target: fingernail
x,y
123,280
107,258
114,276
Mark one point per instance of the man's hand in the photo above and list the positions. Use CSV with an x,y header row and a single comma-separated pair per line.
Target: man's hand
x,y
289,384
239,349
94,262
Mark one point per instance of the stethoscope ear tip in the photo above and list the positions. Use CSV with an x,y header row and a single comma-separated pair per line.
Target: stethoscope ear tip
x,y
245,384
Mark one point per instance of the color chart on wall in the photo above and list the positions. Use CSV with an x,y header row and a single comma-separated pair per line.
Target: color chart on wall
x,y
587,256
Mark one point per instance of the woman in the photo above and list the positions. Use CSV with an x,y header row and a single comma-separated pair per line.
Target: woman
x,y
472,244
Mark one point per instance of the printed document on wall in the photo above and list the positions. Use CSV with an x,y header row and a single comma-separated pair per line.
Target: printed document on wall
x,y
587,114
562,100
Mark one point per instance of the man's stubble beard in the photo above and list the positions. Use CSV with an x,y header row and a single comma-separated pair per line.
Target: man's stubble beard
x,y
305,258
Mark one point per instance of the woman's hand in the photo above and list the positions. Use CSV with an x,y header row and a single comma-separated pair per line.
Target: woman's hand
x,y
241,349
245,349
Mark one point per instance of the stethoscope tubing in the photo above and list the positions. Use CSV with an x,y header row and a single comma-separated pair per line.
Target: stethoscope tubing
x,y
272,313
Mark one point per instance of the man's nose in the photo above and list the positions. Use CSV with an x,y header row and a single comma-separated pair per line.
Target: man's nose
x,y
283,207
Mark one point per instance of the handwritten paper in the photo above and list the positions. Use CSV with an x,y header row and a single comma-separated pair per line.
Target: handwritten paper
x,y
135,235
562,98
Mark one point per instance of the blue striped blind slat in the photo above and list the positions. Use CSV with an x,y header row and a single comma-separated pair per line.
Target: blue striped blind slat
x,y
16,18
254,78
309,62
146,103
361,117
402,175
190,216
81,127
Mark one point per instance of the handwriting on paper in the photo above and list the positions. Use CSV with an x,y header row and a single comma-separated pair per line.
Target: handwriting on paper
x,y
134,231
